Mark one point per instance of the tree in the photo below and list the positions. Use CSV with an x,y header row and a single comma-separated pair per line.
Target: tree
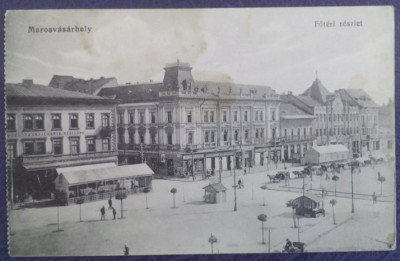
x,y
80,201
333,203
121,195
335,178
212,239
173,191
262,218
145,191
381,179
264,188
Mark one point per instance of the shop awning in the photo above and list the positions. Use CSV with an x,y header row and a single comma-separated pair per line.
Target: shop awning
x,y
100,172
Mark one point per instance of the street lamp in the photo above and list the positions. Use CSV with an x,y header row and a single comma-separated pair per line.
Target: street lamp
x,y
234,179
352,189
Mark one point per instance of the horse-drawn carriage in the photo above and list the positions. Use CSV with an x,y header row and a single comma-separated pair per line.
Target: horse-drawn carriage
x,y
281,175
295,247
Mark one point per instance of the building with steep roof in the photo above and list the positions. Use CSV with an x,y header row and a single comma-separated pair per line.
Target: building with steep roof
x,y
47,128
338,116
182,126
297,135
92,86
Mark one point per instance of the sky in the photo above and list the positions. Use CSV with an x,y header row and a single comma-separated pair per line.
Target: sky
x,y
277,47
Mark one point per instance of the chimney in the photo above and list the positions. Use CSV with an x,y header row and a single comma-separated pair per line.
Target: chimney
x,y
290,93
27,83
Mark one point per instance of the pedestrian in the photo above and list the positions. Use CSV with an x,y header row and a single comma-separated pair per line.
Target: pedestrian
x,y
244,172
114,212
110,203
379,174
240,183
374,197
126,250
103,213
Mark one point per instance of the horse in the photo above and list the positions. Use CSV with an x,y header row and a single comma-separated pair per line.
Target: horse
x,y
273,179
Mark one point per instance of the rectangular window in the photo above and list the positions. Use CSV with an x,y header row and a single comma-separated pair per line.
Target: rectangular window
x,y
190,138
224,116
206,136
56,121
225,135
211,116
105,119
189,116
120,117
131,137
39,122
206,116
236,135
169,136
285,133
273,115
11,150
273,133
57,147
246,116
131,118
141,117
10,122
90,121
246,134
106,144
298,132
257,133
261,116
74,146
256,117
141,136
121,138
212,136
304,132
169,116
262,133
29,147
153,138
73,121
91,145
235,116
152,117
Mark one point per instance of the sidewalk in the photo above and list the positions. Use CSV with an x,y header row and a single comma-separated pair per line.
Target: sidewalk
x,y
267,169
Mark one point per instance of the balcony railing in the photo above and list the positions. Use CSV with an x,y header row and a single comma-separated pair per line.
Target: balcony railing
x,y
298,138
67,157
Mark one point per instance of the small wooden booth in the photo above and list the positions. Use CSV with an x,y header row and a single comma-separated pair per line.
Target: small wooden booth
x,y
215,193
308,205
101,181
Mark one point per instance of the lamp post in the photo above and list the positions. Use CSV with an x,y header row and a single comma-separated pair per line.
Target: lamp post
x,y
352,189
234,180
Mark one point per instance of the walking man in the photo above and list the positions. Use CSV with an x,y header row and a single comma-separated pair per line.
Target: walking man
x,y
114,212
110,203
374,197
103,213
126,250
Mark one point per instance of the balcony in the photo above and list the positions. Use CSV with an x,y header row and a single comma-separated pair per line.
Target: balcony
x,y
105,131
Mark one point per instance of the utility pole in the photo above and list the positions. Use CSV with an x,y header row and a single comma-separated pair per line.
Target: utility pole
x,y
352,190
234,179
298,229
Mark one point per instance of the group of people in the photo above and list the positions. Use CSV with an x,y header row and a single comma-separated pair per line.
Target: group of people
x,y
103,210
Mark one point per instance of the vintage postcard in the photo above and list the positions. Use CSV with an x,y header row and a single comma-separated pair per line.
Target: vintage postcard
x,y
200,131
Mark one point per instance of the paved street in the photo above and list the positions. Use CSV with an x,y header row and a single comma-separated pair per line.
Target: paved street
x,y
185,229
